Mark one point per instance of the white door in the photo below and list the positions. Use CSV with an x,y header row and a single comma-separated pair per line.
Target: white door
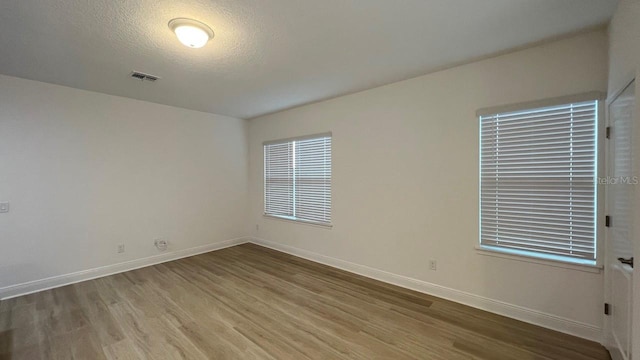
x,y
619,246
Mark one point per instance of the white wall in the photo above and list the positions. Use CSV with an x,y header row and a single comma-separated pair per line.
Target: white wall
x,y
405,179
624,65
86,171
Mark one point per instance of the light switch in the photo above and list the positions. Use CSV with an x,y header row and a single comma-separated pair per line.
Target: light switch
x,y
4,207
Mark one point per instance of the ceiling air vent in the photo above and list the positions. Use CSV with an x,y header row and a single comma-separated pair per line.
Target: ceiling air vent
x,y
142,76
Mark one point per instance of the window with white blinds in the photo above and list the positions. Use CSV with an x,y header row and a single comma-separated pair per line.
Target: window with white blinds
x,y
538,182
297,179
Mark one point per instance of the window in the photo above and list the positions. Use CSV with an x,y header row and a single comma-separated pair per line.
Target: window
x,y
538,181
297,179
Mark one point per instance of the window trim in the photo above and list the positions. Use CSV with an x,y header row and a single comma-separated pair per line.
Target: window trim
x,y
298,138
599,204
498,253
298,221
556,101
292,218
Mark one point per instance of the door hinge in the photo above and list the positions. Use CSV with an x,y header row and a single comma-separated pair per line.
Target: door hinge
x,y
628,261
607,221
606,308
608,132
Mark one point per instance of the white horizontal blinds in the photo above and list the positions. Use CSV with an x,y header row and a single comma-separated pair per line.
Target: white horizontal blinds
x,y
538,171
278,179
313,179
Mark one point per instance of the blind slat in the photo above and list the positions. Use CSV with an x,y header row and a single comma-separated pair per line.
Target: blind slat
x,y
537,180
298,179
313,180
278,179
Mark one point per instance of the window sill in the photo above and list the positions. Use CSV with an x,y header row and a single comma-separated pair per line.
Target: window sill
x,y
298,221
530,259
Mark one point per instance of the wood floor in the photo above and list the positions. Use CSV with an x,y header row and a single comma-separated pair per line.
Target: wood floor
x,y
248,302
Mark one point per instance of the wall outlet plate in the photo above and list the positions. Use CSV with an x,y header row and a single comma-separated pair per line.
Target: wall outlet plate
x,y
433,265
4,207
120,248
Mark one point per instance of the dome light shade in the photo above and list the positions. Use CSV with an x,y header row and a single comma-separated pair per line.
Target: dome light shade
x,y
191,33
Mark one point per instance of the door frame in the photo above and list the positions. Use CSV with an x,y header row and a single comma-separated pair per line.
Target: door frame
x,y
606,336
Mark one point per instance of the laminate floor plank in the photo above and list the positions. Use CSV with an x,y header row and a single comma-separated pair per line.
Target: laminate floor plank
x,y
123,350
356,322
260,314
404,332
310,319
250,302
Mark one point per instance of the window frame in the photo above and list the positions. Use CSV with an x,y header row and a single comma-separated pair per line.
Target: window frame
x,y
264,190
599,203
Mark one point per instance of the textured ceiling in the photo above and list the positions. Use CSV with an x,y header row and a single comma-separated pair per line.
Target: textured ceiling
x,y
267,55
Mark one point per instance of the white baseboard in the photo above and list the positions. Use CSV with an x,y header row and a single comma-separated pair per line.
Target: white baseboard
x,y
72,278
531,316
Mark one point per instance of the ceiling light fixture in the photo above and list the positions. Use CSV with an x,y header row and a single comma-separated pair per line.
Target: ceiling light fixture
x,y
191,33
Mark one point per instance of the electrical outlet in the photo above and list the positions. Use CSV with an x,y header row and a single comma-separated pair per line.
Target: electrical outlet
x,y
257,227
433,265
120,248
4,207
